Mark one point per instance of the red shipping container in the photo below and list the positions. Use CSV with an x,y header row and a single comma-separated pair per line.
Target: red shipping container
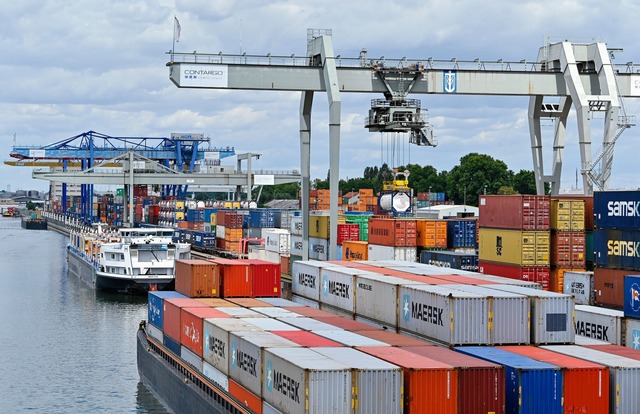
x,y
481,384
191,334
171,311
608,287
348,232
392,232
619,350
393,339
233,220
585,384
235,278
538,274
245,397
568,249
517,212
197,278
307,339
430,386
265,277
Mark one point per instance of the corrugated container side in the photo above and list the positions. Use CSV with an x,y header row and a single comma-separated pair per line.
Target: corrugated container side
x,y
536,274
481,386
624,375
551,314
235,278
380,252
431,234
265,277
430,386
299,380
568,249
616,209
318,248
522,248
191,322
338,287
617,249
608,287
632,295
246,397
531,386
567,214
445,315
216,340
355,250
305,276
455,260
155,306
600,323
524,212
219,379
462,233
172,313
632,330
586,385
377,384
377,297
197,278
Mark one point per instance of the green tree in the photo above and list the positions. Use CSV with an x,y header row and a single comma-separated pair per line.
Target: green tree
x,y
30,205
466,181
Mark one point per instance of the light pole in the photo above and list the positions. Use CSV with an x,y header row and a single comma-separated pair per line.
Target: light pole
x,y
485,189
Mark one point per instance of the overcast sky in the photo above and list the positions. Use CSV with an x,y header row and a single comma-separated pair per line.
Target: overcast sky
x,y
73,66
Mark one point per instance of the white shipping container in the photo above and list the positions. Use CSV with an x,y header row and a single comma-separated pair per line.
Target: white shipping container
x,y
338,287
632,330
551,314
277,240
379,384
302,381
220,231
245,364
272,257
155,333
600,323
269,409
268,324
318,248
281,302
580,286
624,375
336,311
275,312
348,338
585,340
257,252
296,226
308,324
377,297
305,278
191,358
378,252
215,375
296,245
510,314
302,301
240,312
216,344
445,315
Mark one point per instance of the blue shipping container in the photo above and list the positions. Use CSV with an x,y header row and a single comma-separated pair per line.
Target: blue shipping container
x,y
531,386
454,260
616,210
617,249
632,296
204,239
261,218
155,306
172,345
461,233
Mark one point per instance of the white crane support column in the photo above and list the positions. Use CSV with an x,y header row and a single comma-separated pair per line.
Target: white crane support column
x,y
306,102
323,47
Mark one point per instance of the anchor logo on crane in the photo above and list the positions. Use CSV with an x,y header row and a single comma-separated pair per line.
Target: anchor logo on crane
x,y
449,81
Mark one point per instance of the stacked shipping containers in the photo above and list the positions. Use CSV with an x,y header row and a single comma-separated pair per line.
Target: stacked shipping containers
x,y
568,239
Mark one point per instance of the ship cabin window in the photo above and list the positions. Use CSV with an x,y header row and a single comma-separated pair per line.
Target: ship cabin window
x,y
122,257
113,256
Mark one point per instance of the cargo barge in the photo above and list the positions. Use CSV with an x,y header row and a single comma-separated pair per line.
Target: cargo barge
x,y
30,223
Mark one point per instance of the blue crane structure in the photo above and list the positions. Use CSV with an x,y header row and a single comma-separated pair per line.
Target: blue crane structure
x,y
181,151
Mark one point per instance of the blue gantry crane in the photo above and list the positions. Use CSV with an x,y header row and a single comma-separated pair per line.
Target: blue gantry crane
x,y
180,151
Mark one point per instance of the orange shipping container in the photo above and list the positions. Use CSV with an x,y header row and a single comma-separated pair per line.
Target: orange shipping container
x,y
235,277
392,232
431,234
355,250
191,334
171,311
197,278
556,278
246,397
232,234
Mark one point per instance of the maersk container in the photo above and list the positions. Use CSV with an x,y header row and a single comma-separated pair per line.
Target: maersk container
x,y
379,252
616,210
522,212
509,314
338,287
481,386
531,386
430,386
307,324
318,248
377,384
455,260
632,296
580,286
586,384
216,340
246,356
155,307
624,375
296,226
299,380
191,358
551,314
632,330
617,249
219,379
443,314
269,409
305,277
268,324
296,245
307,339
377,297
275,312
600,323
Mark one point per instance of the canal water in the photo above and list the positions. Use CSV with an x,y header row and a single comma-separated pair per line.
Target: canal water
x,y
64,348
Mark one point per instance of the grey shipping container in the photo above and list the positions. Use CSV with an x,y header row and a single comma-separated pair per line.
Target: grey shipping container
x,y
302,381
274,311
218,377
624,376
377,384
308,324
580,286
348,338
305,278
446,315
551,314
338,287
632,330
216,345
600,323
510,321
